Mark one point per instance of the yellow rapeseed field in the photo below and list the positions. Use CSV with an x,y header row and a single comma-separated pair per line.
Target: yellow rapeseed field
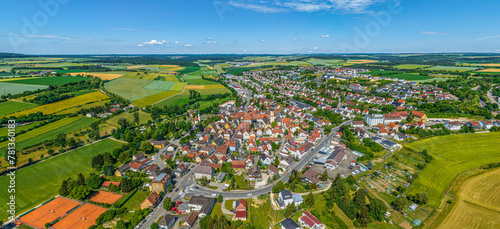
x,y
64,104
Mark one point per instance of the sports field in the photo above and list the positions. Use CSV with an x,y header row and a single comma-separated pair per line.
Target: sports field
x,y
16,88
58,106
13,106
49,212
81,218
49,131
41,181
53,80
105,197
452,154
477,205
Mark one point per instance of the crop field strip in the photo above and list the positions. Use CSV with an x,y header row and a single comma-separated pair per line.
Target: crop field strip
x,y
52,108
49,131
54,80
40,182
160,85
10,107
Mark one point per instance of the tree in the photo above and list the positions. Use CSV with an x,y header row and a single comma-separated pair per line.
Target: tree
x,y
360,198
219,198
167,204
146,147
61,140
80,192
154,225
377,209
81,179
108,170
290,208
136,117
278,187
63,191
309,200
400,203
324,177
94,181
71,142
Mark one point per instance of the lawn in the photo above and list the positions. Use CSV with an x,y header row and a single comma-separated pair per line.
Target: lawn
x,y
41,181
452,155
134,203
261,213
49,131
53,80
16,88
64,104
12,106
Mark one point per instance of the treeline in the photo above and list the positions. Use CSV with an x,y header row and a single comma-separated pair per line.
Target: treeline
x,y
367,147
37,68
91,68
136,218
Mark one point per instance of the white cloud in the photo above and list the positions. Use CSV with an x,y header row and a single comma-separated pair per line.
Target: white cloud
x,y
211,42
434,33
209,38
325,36
277,6
140,45
154,43
489,37
295,39
188,45
176,42
262,41
47,36
315,48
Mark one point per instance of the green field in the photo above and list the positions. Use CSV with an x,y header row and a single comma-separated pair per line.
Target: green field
x,y
154,98
16,88
178,87
10,107
192,77
41,181
53,80
188,70
179,99
131,89
411,66
452,68
407,76
151,76
160,85
49,131
4,131
452,155
199,82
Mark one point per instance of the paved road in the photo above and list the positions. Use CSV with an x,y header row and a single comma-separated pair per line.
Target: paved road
x,y
492,98
183,181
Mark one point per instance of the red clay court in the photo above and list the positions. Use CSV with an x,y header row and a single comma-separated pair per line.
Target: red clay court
x,y
83,218
105,197
49,212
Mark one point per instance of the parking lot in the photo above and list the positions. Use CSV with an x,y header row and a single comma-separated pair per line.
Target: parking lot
x,y
343,169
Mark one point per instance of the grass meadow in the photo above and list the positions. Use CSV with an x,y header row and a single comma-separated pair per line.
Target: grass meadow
x,y
453,155
10,107
53,80
41,181
16,88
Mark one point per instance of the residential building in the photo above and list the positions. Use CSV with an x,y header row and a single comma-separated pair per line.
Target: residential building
x,y
167,222
309,221
289,224
204,171
151,201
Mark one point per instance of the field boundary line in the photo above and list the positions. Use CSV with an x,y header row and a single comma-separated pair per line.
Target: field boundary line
x,y
185,84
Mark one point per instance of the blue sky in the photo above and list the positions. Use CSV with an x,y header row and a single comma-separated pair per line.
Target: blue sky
x,y
248,26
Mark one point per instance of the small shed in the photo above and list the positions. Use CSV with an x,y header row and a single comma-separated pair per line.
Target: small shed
x,y
416,222
413,207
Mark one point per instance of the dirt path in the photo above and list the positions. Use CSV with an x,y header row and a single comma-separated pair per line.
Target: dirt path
x,y
224,210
